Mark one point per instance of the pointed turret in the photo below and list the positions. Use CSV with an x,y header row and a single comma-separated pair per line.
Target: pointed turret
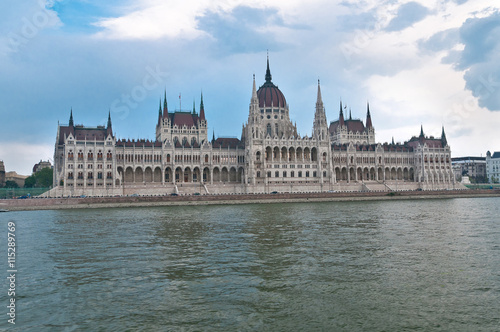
x,y
194,110
443,138
254,91
109,129
320,125
71,124
392,140
350,114
213,136
159,112
165,106
319,99
202,109
368,116
341,115
268,72
421,131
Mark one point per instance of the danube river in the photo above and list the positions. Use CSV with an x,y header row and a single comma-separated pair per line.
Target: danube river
x,y
422,265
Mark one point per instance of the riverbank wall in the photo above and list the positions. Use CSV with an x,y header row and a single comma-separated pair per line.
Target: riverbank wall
x,y
168,200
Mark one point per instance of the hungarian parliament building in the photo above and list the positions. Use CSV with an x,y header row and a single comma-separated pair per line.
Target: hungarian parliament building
x,y
271,156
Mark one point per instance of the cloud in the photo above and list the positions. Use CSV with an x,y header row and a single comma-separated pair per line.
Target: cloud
x,y
407,15
443,40
481,39
473,48
245,29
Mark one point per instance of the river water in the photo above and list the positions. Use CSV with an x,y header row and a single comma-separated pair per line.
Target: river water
x,y
422,265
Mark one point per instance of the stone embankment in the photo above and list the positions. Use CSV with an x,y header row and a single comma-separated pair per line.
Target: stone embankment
x,y
137,201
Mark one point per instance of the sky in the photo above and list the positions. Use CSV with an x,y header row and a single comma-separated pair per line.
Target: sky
x,y
424,62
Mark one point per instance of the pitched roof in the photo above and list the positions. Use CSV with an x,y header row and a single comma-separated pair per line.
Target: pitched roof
x,y
82,133
183,118
354,125
496,155
225,142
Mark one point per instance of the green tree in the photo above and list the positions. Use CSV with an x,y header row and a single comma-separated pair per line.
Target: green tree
x,y
30,182
44,178
11,184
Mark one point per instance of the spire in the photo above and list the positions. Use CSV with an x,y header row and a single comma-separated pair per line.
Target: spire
x,y
319,100
213,136
422,131
443,138
392,140
202,108
159,110
254,91
165,106
109,130
268,71
319,126
368,116
350,114
109,119
71,124
341,115
194,112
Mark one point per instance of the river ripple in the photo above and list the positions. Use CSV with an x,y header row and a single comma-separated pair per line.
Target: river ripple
x,y
423,265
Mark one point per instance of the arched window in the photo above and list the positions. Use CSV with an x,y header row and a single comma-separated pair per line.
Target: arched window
x,y
276,128
269,129
184,141
193,141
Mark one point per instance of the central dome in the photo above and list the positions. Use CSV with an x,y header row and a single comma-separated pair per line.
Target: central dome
x,y
269,94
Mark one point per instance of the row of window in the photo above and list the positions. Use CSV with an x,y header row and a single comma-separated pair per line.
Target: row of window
x,y
138,158
90,155
99,166
284,174
90,175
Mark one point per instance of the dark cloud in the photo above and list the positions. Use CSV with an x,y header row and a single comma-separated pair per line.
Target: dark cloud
x,y
481,39
441,41
408,14
241,30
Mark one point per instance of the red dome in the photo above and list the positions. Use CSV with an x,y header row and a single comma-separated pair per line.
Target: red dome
x,y
269,94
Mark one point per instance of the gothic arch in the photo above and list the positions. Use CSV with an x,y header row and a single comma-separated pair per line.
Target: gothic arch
x,y
148,174
139,174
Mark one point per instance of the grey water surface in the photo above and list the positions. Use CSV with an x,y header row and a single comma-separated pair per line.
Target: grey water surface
x,y
421,265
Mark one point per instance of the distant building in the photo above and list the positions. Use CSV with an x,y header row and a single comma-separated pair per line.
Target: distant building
x,y
2,174
41,165
17,178
472,167
493,166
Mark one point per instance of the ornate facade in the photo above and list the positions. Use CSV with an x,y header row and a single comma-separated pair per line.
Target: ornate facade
x,y
270,156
